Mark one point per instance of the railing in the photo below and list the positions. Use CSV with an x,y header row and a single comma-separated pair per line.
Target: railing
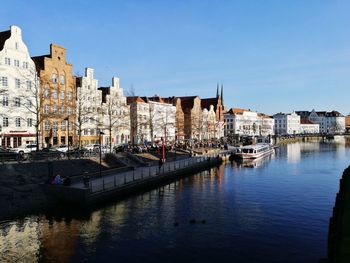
x,y
109,182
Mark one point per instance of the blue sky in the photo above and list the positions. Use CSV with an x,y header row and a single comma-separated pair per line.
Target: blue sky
x,y
271,56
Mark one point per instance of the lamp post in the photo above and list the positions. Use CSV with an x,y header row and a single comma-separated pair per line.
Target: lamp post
x,y
101,133
67,119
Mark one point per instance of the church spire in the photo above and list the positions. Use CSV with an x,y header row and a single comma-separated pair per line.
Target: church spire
x,y
217,90
222,94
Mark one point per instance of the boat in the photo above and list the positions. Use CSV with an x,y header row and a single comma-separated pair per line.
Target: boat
x,y
254,151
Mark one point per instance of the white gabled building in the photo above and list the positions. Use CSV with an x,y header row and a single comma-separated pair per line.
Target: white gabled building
x,y
246,122
18,81
88,108
330,122
308,127
287,123
115,115
151,120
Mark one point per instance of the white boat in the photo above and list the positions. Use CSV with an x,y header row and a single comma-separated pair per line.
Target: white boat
x,y
254,151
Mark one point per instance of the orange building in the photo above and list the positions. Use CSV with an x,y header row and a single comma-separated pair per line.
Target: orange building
x,y
58,96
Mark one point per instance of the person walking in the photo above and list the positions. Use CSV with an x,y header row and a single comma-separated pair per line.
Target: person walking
x,y
160,163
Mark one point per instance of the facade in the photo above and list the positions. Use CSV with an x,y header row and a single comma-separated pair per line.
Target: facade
x,y
152,119
210,124
88,108
58,93
287,123
308,127
214,105
115,115
329,122
179,118
242,122
193,121
267,125
18,81
347,124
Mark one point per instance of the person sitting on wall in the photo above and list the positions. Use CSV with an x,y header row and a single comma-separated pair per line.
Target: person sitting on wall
x,y
58,179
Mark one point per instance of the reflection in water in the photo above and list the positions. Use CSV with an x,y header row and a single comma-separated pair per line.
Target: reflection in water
x,y
19,241
254,163
265,214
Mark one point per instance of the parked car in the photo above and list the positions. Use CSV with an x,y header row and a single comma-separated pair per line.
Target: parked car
x,y
92,147
62,148
24,149
6,155
118,148
78,152
47,153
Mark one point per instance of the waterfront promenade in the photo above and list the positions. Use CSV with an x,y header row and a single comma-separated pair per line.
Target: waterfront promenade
x,y
103,186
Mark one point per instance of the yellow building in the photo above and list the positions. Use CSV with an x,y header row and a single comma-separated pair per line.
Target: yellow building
x,y
58,96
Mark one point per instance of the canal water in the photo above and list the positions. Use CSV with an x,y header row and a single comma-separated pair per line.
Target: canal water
x,y
271,210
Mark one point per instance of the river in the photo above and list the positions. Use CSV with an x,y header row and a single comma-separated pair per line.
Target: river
x,y
273,210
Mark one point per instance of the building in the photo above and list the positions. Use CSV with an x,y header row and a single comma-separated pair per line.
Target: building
x,y
347,124
287,123
115,115
267,125
308,127
152,119
57,84
179,118
18,85
88,108
242,122
193,121
329,122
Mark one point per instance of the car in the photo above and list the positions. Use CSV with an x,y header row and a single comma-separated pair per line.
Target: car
x,y
47,153
78,152
92,147
24,149
62,148
6,155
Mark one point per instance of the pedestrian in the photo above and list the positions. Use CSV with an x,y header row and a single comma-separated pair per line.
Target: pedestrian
x,y
160,163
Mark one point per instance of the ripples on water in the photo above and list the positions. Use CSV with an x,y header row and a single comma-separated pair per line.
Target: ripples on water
x,y
271,210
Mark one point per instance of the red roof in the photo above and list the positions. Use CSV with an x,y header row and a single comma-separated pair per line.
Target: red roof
x,y
306,121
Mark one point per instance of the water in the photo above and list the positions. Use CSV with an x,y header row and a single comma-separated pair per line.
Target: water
x,y
273,210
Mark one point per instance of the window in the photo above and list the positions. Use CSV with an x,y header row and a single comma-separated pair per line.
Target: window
x,y
5,101
16,62
18,122
54,78
5,122
8,61
29,85
25,64
16,45
62,79
55,126
17,102
4,81
54,109
54,94
70,95
29,103
46,109
18,83
47,125
69,110
29,122
46,93
63,125
62,94
62,110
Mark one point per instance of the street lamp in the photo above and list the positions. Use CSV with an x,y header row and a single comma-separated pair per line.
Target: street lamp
x,y
67,119
101,133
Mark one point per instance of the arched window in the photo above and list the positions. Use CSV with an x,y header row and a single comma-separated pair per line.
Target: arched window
x,y
62,79
54,78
